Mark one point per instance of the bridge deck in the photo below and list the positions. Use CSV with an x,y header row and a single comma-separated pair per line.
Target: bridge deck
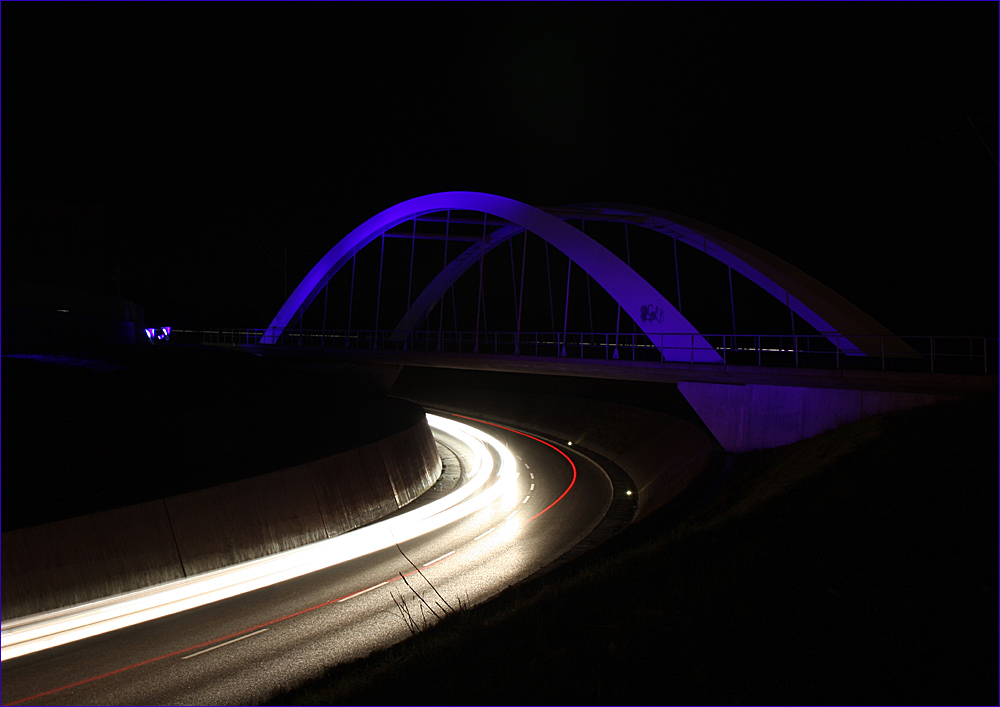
x,y
665,372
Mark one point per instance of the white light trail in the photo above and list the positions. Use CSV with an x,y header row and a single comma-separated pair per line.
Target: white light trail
x,y
40,631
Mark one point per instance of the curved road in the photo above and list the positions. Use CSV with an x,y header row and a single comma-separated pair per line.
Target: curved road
x,y
244,649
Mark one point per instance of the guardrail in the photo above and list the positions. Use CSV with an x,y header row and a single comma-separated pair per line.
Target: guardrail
x,y
933,354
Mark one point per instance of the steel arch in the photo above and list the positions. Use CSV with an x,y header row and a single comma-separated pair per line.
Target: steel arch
x,y
648,308
825,310
845,325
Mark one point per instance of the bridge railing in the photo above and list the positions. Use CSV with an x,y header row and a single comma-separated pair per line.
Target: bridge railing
x,y
933,354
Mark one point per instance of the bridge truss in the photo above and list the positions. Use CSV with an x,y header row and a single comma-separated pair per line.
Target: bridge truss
x,y
473,272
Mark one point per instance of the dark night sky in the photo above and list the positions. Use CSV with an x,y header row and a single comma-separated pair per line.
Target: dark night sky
x,y
857,141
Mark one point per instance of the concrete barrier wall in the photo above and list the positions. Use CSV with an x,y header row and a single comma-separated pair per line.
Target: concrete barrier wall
x,y
244,520
81,559
423,468
377,480
354,493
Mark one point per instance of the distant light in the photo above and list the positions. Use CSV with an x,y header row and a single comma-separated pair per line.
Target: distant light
x,y
63,310
158,333
569,444
629,492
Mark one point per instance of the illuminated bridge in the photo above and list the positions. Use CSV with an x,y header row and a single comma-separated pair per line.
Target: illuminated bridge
x,y
763,352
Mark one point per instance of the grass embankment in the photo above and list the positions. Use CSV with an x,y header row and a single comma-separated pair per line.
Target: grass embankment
x,y
855,567
83,434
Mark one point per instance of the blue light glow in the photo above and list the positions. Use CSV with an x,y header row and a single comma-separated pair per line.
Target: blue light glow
x,y
158,333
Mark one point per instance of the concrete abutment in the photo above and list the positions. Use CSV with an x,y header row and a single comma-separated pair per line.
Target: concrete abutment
x,y
751,416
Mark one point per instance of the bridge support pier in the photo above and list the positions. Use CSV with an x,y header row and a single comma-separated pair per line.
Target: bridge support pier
x,y
746,417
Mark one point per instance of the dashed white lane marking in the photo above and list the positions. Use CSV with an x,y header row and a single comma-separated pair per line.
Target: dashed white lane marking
x,y
532,488
357,594
510,515
483,535
438,559
223,644
528,466
532,473
526,499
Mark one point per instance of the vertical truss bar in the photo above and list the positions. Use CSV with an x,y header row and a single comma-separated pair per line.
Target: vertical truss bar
x,y
590,306
409,287
795,339
569,271
618,316
628,260
513,273
548,275
677,274
350,306
447,227
326,295
486,321
732,305
378,301
520,301
479,298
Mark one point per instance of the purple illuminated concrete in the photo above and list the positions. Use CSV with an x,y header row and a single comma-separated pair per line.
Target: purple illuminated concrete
x,y
747,417
847,327
844,325
648,308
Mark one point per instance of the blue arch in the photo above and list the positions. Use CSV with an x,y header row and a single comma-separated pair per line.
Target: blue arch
x,y
847,327
674,335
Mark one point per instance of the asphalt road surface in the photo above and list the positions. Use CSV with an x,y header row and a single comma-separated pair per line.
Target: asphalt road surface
x,y
244,649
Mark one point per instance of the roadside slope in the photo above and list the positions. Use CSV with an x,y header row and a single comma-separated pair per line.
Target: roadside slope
x,y
855,567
